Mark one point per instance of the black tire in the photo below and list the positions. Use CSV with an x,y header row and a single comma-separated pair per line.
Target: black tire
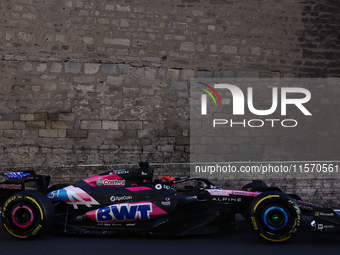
x,y
27,214
295,197
247,187
56,187
257,185
275,216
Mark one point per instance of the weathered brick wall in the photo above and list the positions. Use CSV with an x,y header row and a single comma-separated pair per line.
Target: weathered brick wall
x,y
106,82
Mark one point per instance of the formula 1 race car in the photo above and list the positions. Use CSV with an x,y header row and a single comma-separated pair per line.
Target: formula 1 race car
x,y
129,200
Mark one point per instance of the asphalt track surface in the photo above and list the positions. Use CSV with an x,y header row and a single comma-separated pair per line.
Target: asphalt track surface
x,y
242,241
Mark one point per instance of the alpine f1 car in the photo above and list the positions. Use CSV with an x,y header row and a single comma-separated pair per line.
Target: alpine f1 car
x,y
129,200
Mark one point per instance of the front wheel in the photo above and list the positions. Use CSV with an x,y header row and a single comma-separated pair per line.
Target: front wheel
x,y
27,214
275,216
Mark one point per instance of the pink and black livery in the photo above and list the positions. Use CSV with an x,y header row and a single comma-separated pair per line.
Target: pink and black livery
x,y
130,200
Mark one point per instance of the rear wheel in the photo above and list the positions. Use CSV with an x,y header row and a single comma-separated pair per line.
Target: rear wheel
x,y
27,214
275,216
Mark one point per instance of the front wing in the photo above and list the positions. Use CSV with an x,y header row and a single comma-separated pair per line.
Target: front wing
x,y
326,220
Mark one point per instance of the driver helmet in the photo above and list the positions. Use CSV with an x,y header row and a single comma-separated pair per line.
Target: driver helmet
x,y
167,179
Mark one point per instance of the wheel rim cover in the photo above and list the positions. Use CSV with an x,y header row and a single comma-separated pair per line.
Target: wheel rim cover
x,y
26,213
275,217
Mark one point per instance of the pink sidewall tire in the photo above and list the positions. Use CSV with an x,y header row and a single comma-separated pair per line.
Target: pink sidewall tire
x,y
27,214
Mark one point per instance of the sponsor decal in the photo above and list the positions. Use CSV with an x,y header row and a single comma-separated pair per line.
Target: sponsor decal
x,y
17,175
107,182
298,220
36,230
109,225
305,207
167,202
130,224
323,214
120,198
124,212
325,227
218,192
4,207
166,186
74,196
162,186
239,192
30,188
227,199
254,223
123,171
10,186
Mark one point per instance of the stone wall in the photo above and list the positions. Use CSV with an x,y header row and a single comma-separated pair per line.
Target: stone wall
x,y
107,82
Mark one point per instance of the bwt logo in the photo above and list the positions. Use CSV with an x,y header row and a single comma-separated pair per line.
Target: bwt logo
x,y
239,103
124,212
238,99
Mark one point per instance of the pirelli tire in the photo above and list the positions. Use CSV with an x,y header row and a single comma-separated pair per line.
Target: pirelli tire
x,y
275,216
247,187
27,214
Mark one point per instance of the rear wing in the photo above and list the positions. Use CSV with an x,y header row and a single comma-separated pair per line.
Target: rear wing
x,y
26,174
20,181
